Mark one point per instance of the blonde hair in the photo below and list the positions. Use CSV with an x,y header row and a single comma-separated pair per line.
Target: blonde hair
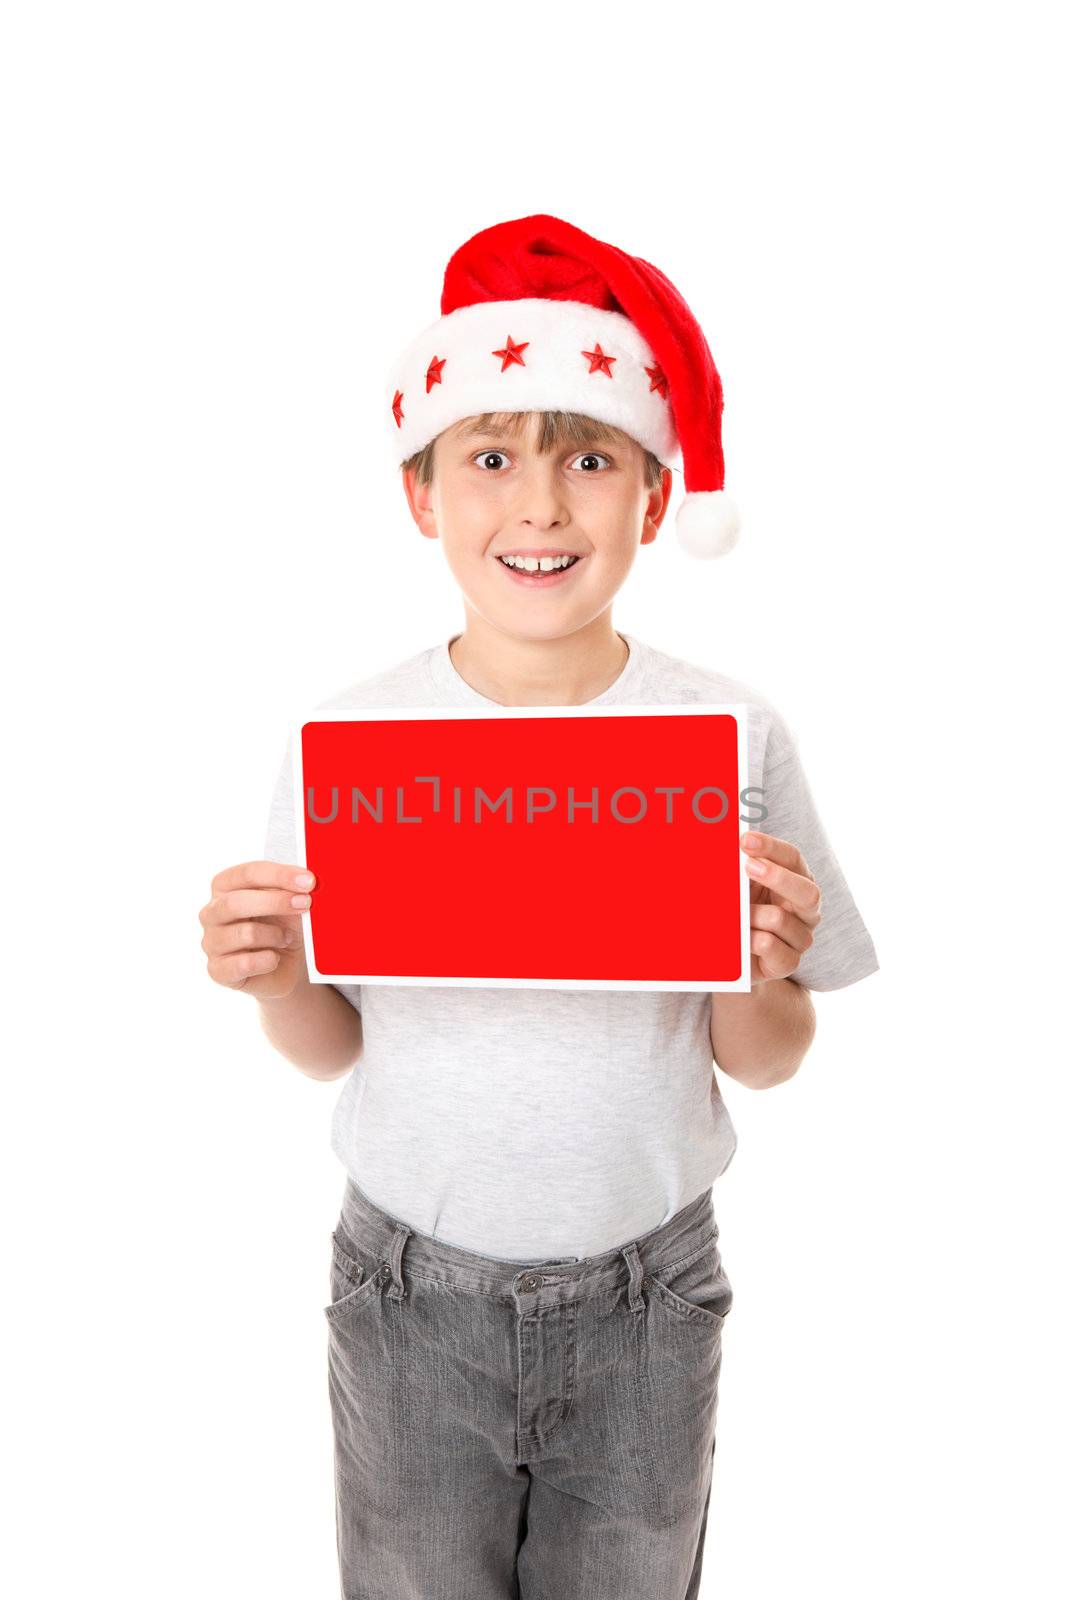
x,y
557,428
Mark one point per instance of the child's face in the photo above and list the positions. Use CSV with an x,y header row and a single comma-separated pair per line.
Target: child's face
x,y
495,495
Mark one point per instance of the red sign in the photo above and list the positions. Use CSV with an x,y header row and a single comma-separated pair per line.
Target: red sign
x,y
566,846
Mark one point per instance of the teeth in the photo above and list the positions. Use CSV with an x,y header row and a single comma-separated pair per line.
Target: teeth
x,y
532,564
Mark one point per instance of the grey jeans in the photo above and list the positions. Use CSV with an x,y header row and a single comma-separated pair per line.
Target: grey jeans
x,y
533,1429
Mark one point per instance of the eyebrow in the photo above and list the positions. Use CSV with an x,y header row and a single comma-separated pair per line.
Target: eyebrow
x,y
467,435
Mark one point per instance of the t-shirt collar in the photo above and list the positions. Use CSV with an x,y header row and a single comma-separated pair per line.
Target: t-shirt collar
x,y
455,690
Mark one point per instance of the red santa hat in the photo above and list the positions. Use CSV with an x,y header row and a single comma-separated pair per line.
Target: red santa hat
x,y
538,316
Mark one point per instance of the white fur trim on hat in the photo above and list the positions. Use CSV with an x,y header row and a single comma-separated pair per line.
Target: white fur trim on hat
x,y
553,374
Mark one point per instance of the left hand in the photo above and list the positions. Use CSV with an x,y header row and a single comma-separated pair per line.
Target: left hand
x,y
785,902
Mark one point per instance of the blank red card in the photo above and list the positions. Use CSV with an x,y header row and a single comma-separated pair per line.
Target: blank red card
x,y
585,847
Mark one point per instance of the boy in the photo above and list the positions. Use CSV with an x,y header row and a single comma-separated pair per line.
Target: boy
x,y
527,1298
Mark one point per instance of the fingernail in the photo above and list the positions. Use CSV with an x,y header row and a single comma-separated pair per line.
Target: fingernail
x,y
751,841
758,867
304,880
301,901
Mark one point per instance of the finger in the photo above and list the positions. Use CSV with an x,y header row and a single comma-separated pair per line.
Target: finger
x,y
785,924
802,893
235,970
777,960
236,904
221,939
262,875
766,846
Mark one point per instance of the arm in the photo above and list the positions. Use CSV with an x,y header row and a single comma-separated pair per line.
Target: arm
x,y
253,942
315,1028
761,1038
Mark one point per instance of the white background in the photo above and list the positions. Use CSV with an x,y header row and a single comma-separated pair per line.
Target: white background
x,y
223,223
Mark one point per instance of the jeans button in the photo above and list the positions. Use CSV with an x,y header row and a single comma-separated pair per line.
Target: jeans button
x,y
529,1282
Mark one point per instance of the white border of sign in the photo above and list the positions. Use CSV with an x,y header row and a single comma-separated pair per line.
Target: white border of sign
x,y
467,713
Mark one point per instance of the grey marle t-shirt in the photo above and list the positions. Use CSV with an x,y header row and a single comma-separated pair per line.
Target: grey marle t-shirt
x,y
528,1124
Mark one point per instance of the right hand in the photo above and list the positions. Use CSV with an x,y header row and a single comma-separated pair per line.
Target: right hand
x,y
252,932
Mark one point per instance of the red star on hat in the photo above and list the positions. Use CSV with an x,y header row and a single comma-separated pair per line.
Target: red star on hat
x,y
398,415
659,382
598,361
512,354
433,372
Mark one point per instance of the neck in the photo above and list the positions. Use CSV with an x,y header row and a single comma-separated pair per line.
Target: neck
x,y
529,672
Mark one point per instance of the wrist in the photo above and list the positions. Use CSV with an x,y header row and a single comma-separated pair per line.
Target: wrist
x,y
302,986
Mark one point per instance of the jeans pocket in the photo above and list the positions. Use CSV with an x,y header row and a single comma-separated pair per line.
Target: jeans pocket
x,y
351,1280
695,1290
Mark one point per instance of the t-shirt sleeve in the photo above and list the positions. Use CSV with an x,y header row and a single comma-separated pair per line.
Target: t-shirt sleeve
x,y
843,951
280,844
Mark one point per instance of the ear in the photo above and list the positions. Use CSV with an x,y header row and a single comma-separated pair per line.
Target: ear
x,y
658,502
420,503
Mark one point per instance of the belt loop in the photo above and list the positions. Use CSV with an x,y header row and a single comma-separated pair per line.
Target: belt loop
x,y
400,1238
633,1262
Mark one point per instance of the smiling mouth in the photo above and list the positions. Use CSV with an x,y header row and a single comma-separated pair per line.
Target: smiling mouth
x,y
543,567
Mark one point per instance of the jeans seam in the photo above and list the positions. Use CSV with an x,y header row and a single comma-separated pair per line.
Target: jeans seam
x,y
571,1379
397,1346
639,1321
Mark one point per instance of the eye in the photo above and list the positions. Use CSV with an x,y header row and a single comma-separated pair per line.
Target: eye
x,y
591,455
495,456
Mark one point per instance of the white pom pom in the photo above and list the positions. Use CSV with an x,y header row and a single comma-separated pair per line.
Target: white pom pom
x,y
708,524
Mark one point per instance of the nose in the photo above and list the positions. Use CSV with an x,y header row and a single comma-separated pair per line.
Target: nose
x,y
542,503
